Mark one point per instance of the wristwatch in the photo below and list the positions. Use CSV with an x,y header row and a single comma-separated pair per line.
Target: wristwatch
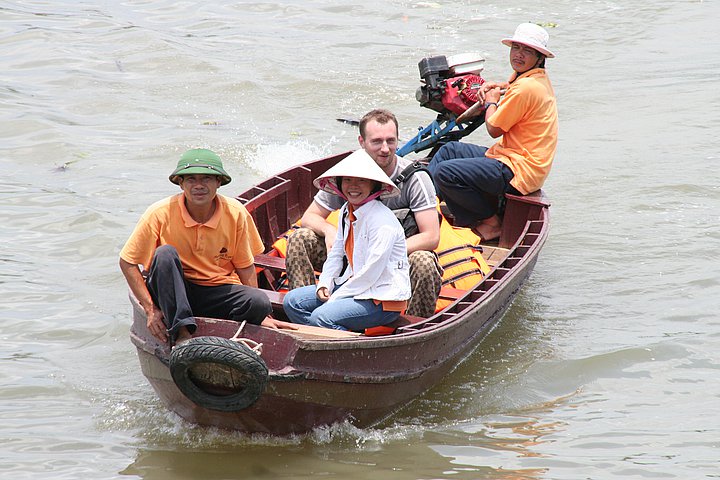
x,y
491,103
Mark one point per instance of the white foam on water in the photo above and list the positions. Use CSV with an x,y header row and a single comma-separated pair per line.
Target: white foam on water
x,y
271,159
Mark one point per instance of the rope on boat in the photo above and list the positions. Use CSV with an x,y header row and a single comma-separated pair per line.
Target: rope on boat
x,y
251,344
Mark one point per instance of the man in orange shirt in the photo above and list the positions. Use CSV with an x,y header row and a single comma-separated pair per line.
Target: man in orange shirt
x,y
472,180
197,250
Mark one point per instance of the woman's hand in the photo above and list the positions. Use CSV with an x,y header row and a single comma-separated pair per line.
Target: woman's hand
x,y
323,294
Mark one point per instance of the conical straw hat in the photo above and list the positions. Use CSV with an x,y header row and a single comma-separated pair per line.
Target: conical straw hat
x,y
359,165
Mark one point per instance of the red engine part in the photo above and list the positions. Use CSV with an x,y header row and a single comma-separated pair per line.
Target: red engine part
x,y
461,93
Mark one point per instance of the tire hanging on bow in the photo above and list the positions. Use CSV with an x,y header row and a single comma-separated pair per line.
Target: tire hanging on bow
x,y
218,373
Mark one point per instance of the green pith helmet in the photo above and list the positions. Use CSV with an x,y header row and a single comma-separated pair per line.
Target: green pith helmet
x,y
199,161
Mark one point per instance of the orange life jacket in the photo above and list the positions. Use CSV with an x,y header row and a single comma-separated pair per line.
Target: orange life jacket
x,y
460,255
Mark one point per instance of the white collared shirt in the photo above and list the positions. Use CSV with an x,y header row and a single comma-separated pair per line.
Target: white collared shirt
x,y
381,270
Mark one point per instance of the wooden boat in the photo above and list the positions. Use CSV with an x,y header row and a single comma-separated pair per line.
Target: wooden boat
x,y
318,377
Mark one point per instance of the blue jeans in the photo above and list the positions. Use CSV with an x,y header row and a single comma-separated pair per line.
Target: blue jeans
x,y
471,184
302,306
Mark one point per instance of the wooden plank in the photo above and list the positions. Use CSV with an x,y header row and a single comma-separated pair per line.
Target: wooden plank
x,y
449,293
534,198
276,298
494,255
270,261
320,332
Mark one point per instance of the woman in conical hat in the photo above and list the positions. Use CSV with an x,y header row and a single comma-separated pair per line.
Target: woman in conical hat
x,y
365,280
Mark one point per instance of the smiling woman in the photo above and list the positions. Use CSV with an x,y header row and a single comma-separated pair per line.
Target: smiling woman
x,y
365,281
357,190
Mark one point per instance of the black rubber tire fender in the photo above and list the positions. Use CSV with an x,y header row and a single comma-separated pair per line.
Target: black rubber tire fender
x,y
240,375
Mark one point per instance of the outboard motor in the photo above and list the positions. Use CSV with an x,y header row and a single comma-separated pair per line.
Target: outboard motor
x,y
450,85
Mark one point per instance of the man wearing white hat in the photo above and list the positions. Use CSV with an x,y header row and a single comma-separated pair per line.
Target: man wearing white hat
x,y
472,180
365,281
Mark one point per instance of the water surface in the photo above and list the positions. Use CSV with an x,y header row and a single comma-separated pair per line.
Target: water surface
x,y
606,366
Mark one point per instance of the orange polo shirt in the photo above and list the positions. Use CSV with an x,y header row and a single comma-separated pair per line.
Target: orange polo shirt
x,y
209,252
528,115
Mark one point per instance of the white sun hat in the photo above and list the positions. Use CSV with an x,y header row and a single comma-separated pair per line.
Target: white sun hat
x,y
359,165
532,35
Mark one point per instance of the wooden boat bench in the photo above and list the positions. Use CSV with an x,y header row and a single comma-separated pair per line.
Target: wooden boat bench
x,y
276,298
269,261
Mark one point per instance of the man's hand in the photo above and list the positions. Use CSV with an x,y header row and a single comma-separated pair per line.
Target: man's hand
x,y
491,91
156,325
493,95
315,218
136,282
270,322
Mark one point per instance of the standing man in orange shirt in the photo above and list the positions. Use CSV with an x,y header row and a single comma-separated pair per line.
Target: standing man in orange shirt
x,y
472,179
197,252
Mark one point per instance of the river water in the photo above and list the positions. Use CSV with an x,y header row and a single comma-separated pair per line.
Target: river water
x,y
607,364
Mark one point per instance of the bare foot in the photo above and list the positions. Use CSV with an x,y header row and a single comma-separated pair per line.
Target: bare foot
x,y
488,229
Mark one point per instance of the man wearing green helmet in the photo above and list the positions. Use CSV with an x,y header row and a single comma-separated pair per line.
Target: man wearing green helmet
x,y
197,252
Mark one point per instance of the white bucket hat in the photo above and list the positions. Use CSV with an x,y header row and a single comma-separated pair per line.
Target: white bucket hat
x,y
359,165
532,35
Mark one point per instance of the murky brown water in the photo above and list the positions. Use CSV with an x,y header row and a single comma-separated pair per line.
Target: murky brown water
x,y
605,367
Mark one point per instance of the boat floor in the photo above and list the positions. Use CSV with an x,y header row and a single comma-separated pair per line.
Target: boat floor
x,y
494,255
